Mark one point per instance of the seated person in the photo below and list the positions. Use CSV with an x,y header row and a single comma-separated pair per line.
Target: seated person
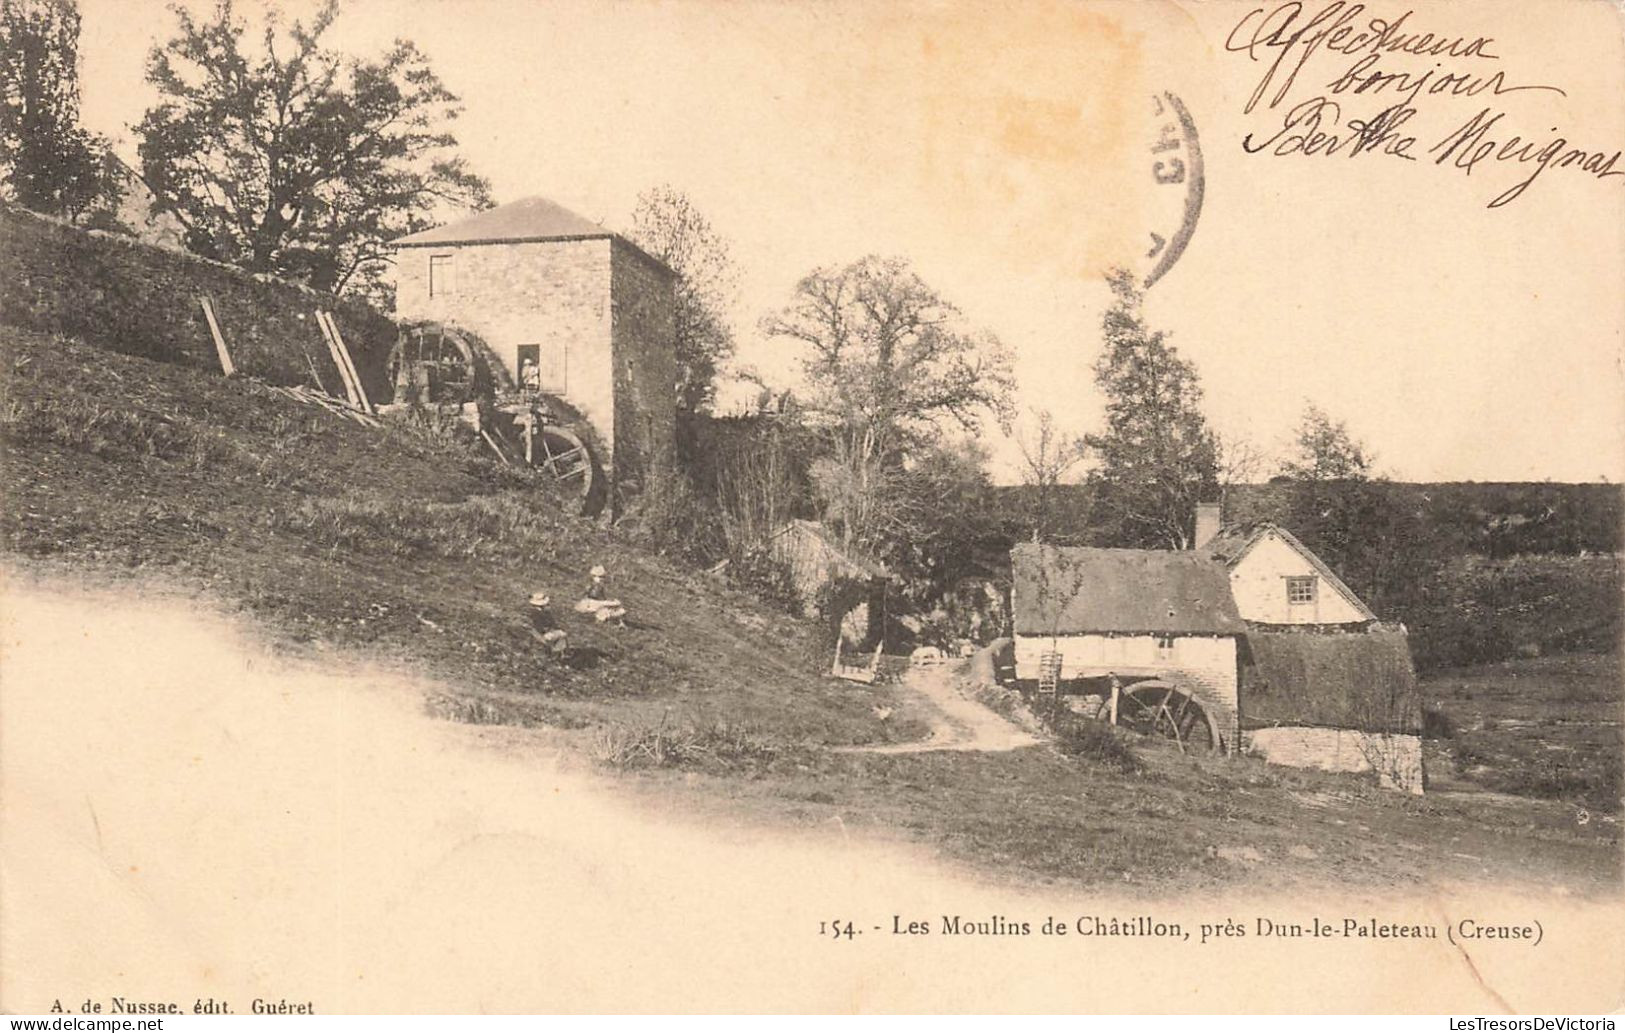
x,y
598,601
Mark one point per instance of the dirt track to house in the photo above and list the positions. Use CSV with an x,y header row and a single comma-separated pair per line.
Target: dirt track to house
x,y
186,813
958,722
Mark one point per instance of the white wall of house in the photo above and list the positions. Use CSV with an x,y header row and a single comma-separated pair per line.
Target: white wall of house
x,y
1259,584
1397,759
1207,660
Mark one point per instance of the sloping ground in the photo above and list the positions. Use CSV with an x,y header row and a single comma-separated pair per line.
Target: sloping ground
x,y
405,545
231,824
1176,825
957,721
411,551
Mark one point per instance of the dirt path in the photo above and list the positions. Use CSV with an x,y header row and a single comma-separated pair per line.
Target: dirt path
x,y
185,814
959,723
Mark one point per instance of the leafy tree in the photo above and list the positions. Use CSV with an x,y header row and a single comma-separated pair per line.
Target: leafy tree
x,y
668,226
890,367
50,163
1324,450
1157,457
945,518
286,157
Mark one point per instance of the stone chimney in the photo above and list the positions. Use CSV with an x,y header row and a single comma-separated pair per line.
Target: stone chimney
x,y
1208,518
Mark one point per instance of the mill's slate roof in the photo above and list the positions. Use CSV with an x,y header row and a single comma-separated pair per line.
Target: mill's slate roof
x,y
523,221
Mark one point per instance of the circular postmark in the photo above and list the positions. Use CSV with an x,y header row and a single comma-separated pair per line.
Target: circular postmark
x,y
1176,166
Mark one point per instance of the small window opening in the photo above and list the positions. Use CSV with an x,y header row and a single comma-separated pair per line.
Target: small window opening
x,y
442,276
1300,590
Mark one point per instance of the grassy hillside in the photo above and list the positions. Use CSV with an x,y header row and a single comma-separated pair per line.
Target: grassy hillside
x,y
395,545
398,543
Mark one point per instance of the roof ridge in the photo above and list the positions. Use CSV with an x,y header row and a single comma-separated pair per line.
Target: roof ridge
x,y
533,217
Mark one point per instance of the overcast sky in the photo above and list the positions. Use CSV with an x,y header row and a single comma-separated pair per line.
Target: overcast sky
x,y
1005,148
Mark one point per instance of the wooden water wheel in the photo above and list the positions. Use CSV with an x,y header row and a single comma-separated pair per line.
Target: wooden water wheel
x,y
530,436
1166,711
432,365
560,453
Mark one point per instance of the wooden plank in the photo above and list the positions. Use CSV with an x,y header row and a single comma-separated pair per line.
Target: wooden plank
x,y
489,440
349,363
219,339
315,374
338,360
360,396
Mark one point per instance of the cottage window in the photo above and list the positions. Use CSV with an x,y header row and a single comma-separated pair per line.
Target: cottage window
x,y
1301,590
1165,648
442,276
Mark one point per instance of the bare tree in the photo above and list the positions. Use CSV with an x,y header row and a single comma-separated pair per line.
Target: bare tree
x,y
1240,461
759,487
890,366
1048,457
668,226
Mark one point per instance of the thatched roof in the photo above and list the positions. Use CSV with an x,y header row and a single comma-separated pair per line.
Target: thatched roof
x,y
1361,680
1075,591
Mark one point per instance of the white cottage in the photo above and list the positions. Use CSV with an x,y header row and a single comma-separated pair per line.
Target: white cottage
x,y
1275,579
1159,626
1324,683
1249,641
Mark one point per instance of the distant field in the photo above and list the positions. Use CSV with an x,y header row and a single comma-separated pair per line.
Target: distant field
x,y
1546,727
413,551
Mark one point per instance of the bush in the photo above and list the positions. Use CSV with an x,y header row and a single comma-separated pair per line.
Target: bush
x,y
1436,724
110,431
1590,778
757,572
483,526
643,746
671,518
1088,739
1480,611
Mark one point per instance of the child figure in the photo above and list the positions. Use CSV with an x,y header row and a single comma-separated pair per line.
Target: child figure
x,y
598,601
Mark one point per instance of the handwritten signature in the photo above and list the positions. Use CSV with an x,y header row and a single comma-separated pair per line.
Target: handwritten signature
x,y
1311,128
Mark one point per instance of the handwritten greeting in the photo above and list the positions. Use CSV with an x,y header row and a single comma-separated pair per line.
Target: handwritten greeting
x,y
1392,84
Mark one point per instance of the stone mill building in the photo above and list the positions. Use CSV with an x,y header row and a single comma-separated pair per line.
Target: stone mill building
x,y
582,313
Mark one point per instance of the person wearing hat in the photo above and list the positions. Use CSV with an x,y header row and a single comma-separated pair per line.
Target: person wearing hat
x,y
543,628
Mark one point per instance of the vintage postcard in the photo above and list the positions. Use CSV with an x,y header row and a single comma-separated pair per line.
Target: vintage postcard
x,y
689,506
